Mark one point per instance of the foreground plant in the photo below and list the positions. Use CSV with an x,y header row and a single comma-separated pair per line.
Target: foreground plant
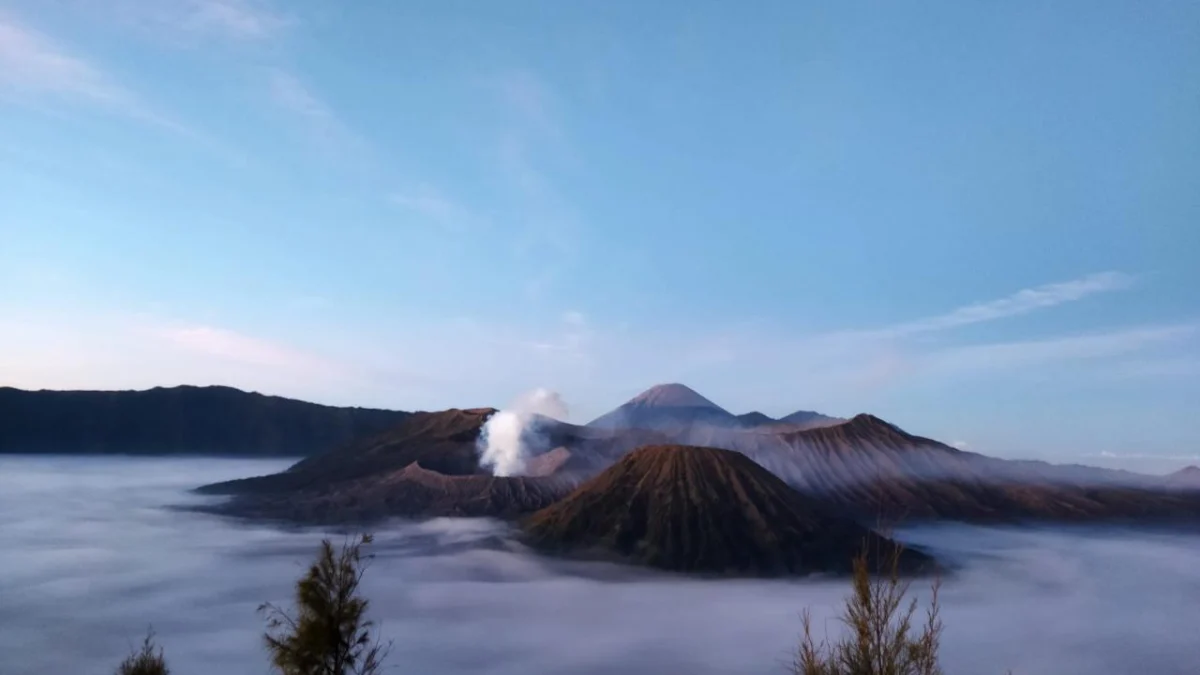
x,y
327,633
145,661
880,637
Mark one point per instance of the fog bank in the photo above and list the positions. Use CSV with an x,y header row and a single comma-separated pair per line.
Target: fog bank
x,y
91,557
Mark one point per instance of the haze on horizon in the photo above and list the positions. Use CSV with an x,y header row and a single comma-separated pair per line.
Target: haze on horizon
x,y
975,220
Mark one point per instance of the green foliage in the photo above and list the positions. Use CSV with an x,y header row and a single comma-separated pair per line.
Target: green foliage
x,y
144,661
327,633
880,638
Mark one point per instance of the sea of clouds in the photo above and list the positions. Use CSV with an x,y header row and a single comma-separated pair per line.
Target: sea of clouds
x,y
92,555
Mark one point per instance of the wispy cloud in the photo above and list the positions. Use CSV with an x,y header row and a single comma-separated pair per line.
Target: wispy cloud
x,y
288,91
34,67
531,150
869,358
530,100
570,337
321,122
185,22
432,205
242,19
234,27
31,62
850,364
1024,301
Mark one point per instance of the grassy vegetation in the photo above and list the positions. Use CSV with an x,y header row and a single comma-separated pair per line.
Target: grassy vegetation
x,y
147,660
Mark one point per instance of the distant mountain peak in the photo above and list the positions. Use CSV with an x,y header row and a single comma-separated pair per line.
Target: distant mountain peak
x,y
809,418
756,419
867,421
672,395
665,406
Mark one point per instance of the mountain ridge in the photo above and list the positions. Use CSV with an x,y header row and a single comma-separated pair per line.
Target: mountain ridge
x,y
673,406
185,419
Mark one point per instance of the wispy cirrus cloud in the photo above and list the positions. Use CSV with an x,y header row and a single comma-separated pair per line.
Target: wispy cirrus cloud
x,y
32,63
236,25
532,148
288,91
849,363
36,68
530,101
570,337
291,94
432,205
188,22
35,65
242,19
1022,302
870,357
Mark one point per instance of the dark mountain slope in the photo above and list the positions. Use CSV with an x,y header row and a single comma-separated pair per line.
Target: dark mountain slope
x,y
443,442
411,492
178,420
428,465
702,510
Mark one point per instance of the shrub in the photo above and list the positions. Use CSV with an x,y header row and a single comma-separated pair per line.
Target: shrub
x,y
327,633
880,638
144,661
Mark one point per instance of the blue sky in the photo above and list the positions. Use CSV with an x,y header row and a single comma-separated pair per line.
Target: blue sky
x,y
976,219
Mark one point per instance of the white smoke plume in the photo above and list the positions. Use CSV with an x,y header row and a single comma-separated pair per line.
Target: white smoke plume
x,y
502,442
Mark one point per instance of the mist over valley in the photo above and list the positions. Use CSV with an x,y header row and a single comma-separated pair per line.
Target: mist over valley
x,y
95,552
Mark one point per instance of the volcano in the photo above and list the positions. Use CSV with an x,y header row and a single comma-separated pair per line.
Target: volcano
x,y
864,468
677,408
426,466
704,510
666,407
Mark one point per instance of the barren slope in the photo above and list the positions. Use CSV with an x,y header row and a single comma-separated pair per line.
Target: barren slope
x,y
706,510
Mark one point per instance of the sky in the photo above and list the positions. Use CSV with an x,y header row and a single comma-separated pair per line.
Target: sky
x,y
977,220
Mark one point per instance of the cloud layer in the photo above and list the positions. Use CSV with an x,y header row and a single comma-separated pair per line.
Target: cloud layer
x,y
90,550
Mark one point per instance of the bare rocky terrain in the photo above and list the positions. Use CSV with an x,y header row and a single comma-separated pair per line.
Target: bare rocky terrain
x,y
704,510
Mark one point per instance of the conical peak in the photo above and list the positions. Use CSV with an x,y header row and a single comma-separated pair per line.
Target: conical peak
x,y
672,395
